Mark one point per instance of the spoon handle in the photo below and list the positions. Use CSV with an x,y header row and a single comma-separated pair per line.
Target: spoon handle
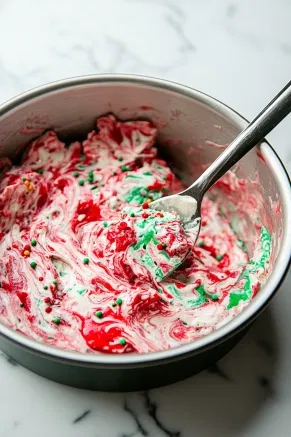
x,y
255,132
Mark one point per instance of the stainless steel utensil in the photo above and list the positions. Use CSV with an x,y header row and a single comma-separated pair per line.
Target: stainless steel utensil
x,y
188,203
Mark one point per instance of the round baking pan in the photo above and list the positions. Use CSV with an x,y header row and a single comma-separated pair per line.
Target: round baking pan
x,y
189,123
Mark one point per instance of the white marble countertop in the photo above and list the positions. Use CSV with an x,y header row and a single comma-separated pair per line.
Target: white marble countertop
x,y
238,51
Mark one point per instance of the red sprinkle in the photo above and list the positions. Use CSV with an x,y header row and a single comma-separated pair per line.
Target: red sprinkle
x,y
160,246
145,205
169,177
155,186
204,223
40,278
48,310
144,215
47,299
26,247
122,225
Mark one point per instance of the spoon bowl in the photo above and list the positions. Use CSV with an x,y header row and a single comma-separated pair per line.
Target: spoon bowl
x,y
183,204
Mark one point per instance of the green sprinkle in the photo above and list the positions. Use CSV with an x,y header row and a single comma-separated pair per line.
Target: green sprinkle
x,y
45,287
99,314
33,242
90,177
94,188
39,171
212,296
178,176
124,168
81,166
164,245
54,282
21,305
86,260
105,224
201,244
81,182
76,174
122,341
120,159
185,323
219,257
33,264
56,320
118,301
132,214
24,179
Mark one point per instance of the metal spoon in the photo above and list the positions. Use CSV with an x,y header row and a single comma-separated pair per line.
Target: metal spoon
x,y
188,203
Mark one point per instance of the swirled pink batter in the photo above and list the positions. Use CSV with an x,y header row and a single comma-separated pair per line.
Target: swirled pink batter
x,y
84,260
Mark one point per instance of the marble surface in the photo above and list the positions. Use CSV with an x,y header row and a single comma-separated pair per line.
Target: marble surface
x,y
238,51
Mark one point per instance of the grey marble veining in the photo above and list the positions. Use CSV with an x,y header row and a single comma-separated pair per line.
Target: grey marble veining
x,y
238,51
